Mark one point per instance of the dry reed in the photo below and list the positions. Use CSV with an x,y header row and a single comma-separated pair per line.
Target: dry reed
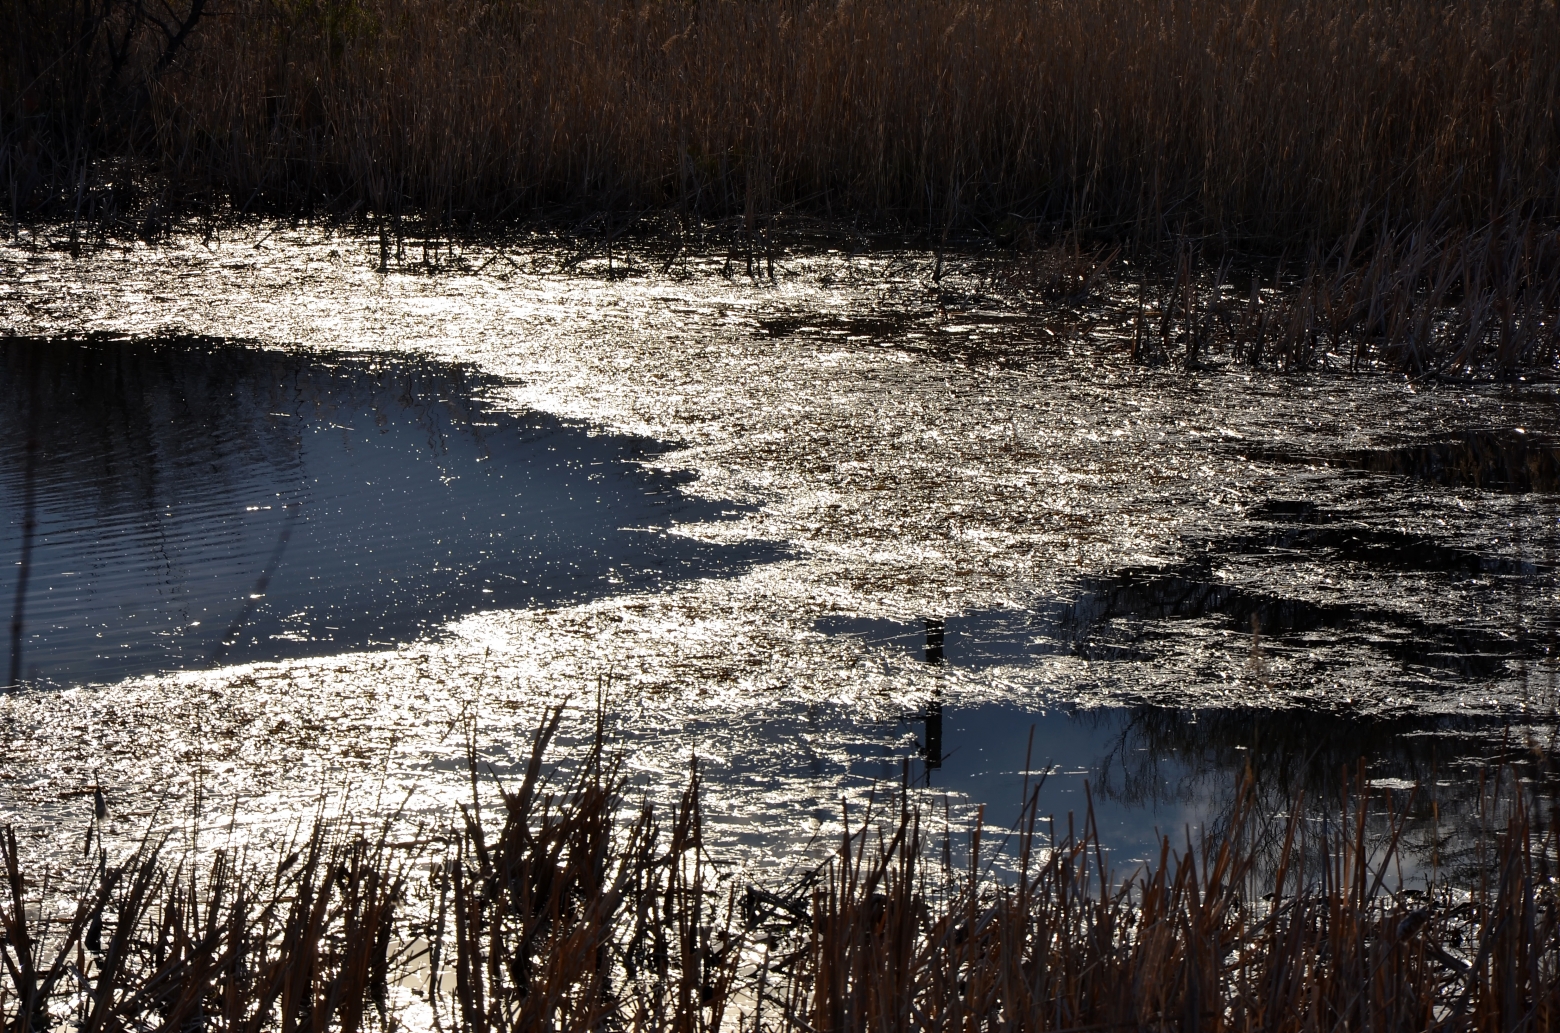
x,y
1426,304
1402,156
1273,120
579,912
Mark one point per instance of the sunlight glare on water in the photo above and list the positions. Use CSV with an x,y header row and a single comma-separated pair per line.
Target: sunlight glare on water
x,y
808,480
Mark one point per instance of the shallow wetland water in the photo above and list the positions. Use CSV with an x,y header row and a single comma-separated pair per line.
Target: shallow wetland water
x,y
304,525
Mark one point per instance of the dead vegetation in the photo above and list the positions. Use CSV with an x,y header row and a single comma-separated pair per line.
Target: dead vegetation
x,y
1429,306
1274,121
566,907
1367,179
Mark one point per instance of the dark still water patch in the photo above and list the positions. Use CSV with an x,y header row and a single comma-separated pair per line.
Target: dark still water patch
x,y
199,502
1296,595
1500,459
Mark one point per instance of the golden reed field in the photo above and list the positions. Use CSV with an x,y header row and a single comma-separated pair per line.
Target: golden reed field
x,y
1390,166
1261,122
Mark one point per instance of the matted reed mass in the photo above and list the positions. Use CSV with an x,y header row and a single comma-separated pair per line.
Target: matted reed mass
x,y
1269,122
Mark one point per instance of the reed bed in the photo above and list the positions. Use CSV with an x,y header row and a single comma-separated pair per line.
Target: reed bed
x,y
1395,163
1431,306
565,907
1267,120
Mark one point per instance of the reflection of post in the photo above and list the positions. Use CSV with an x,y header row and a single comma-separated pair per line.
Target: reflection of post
x,y
228,641
932,750
934,640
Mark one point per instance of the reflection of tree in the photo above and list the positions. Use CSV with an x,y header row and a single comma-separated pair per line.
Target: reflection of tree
x,y
1457,762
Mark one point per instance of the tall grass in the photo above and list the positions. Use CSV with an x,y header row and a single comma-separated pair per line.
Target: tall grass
x,y
566,907
1396,163
1257,120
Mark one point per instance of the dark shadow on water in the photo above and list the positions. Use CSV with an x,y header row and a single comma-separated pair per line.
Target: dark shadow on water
x,y
1494,459
1149,771
1288,529
1124,616
171,472
1196,610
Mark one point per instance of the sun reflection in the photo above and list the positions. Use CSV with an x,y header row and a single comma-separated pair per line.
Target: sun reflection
x,y
1094,535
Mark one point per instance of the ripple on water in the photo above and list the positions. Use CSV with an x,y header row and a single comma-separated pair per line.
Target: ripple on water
x,y
202,502
1167,574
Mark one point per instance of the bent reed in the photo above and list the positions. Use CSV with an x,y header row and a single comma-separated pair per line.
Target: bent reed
x,y
569,908
1396,162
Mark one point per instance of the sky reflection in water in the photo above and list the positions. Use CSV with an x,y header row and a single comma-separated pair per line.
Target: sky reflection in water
x,y
377,500
1165,574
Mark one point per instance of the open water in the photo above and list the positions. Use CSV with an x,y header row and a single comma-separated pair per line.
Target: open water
x,y
312,534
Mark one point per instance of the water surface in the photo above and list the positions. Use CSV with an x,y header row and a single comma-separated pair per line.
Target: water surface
x,y
201,502
826,532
